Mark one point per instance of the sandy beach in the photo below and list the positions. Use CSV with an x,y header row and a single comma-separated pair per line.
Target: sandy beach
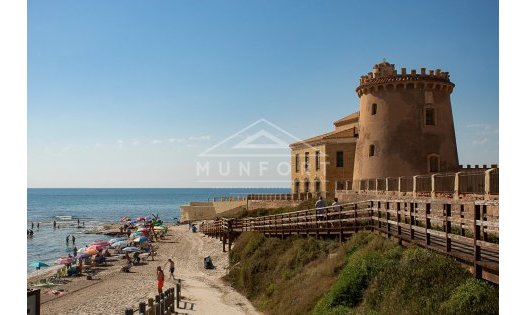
x,y
112,291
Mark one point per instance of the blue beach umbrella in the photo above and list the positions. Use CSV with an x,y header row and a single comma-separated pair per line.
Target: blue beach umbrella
x,y
38,264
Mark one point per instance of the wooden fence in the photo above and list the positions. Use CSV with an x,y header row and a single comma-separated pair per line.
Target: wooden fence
x,y
462,230
165,303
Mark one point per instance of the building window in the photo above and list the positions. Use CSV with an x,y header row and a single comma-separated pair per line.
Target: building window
x,y
318,160
318,186
434,163
306,186
339,159
371,150
430,116
306,161
296,186
297,163
373,109
340,186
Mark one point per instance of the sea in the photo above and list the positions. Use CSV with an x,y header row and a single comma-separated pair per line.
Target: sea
x,y
79,211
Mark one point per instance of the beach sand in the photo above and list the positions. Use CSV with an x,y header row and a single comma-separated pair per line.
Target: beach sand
x,y
112,291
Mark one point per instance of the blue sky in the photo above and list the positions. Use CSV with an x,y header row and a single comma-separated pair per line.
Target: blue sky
x,y
128,93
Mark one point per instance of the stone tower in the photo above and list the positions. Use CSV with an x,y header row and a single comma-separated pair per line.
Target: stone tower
x,y
406,124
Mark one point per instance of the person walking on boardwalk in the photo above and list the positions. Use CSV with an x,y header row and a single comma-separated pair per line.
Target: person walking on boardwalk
x,y
160,279
320,207
336,206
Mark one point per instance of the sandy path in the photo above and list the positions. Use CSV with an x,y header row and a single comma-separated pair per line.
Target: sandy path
x,y
112,291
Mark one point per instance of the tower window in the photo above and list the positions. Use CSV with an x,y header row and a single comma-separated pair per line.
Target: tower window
x,y
306,161
373,109
317,156
339,159
434,163
430,116
371,150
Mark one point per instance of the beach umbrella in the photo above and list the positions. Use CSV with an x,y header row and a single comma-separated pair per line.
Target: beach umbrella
x,y
38,264
119,244
82,255
96,247
64,260
131,249
118,239
141,239
100,243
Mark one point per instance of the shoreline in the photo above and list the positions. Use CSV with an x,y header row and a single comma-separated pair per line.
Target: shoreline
x,y
112,291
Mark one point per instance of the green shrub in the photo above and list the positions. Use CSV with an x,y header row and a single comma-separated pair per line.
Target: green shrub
x,y
472,297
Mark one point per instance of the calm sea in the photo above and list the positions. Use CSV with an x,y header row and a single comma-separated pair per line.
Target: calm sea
x,y
94,207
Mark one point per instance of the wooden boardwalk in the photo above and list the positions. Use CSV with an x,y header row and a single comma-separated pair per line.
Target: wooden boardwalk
x,y
462,230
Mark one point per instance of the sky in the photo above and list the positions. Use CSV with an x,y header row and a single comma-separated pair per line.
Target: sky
x,y
129,93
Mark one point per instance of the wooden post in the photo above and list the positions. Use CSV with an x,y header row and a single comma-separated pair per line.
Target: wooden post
x,y
162,302
316,221
428,224
447,214
477,269
462,230
388,217
142,308
151,309
128,311
412,219
340,224
483,222
398,226
178,292
229,235
157,305
355,214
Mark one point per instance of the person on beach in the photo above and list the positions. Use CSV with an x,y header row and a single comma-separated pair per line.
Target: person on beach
x,y
28,232
78,222
67,239
172,268
73,239
54,224
38,225
31,233
82,223
32,226
160,279
75,251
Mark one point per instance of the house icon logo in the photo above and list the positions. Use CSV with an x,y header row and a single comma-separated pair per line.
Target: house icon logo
x,y
261,138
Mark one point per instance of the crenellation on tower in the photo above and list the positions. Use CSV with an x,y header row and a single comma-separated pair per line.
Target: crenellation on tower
x,y
385,73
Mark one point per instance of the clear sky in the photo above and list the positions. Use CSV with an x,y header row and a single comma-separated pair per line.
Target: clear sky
x,y
128,93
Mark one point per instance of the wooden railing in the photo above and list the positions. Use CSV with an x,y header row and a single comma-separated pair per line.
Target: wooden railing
x,y
462,230
164,303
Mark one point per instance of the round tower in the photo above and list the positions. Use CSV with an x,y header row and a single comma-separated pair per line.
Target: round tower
x,y
406,124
